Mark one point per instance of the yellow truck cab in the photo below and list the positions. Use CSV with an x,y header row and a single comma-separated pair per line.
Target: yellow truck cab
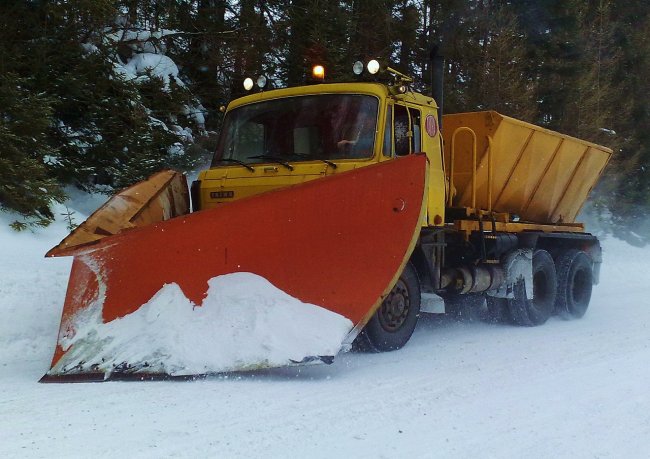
x,y
283,137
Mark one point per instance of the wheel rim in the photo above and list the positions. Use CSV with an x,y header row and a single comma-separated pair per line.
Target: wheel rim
x,y
395,307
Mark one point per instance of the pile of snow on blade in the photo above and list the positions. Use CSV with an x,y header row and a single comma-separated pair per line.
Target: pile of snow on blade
x,y
245,322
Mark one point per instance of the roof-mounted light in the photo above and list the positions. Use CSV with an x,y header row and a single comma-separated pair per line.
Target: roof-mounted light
x,y
318,72
373,67
248,84
357,67
261,81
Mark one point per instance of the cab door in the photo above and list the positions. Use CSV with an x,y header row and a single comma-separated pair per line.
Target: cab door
x,y
415,130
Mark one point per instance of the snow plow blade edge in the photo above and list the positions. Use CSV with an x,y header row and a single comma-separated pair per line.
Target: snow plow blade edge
x,y
312,243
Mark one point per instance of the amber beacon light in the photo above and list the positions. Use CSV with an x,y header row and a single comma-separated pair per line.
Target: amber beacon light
x,y
318,72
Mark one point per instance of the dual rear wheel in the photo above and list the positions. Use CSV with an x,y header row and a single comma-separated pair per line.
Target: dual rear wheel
x,y
535,311
560,287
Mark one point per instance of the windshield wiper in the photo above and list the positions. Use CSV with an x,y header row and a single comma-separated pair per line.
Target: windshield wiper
x,y
241,163
326,161
275,159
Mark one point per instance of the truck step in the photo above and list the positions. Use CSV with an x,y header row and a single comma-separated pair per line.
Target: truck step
x,y
432,303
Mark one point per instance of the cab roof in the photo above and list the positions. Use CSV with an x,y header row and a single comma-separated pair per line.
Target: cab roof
x,y
374,89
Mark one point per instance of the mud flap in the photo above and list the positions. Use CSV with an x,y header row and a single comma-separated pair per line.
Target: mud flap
x,y
338,243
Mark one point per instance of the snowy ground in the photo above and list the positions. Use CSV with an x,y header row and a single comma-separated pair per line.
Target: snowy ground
x,y
578,389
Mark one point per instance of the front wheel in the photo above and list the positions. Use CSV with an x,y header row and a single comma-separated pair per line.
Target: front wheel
x,y
393,323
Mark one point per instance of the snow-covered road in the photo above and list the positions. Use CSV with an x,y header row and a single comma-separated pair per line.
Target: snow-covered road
x,y
578,389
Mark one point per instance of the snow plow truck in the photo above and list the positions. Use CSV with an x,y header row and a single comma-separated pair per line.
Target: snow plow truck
x,y
332,215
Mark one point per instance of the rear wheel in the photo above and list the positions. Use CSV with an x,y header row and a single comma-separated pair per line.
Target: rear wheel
x,y
535,311
575,281
392,325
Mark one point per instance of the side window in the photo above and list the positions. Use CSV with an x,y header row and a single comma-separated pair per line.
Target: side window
x,y
388,133
402,131
408,136
417,134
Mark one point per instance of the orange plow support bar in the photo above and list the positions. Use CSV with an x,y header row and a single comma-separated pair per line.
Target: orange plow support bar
x,y
339,242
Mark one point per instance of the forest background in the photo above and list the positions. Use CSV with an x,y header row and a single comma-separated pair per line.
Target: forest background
x,y
98,94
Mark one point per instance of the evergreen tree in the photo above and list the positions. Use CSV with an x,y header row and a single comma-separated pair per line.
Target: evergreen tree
x,y
405,29
96,127
204,57
496,65
26,184
625,194
314,32
485,51
371,30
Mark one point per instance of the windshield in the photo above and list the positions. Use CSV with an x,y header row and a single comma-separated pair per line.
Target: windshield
x,y
305,128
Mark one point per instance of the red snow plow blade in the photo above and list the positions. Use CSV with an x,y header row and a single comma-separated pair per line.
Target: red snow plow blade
x,y
337,244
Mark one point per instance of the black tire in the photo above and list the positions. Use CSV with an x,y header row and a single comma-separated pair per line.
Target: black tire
x,y
392,325
535,312
466,308
497,310
575,281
